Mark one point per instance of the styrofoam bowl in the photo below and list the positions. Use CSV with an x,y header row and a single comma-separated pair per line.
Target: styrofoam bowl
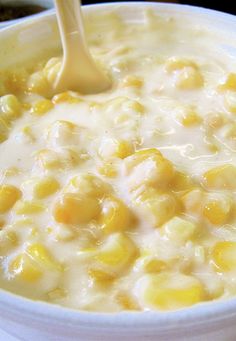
x,y
27,319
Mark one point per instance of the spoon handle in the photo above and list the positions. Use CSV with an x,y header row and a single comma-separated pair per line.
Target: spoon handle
x,y
69,15
79,71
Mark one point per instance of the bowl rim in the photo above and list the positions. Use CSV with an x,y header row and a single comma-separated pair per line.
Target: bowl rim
x,y
53,314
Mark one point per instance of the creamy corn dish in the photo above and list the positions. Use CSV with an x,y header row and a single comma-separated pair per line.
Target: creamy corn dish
x,y
123,200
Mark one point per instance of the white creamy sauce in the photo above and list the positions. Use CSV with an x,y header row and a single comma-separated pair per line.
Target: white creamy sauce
x,y
145,108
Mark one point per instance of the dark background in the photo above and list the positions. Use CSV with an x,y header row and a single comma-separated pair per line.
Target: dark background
x,y
225,6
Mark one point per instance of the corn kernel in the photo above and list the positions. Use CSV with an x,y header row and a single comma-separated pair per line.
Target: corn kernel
x,y
113,148
42,256
115,215
135,106
99,275
38,83
193,201
42,106
150,264
132,81
25,268
46,187
29,207
62,133
76,209
217,211
224,256
189,78
221,177
126,301
16,80
168,291
89,184
181,182
116,253
57,294
229,83
28,134
10,107
52,69
8,240
4,130
230,101
149,167
9,195
48,159
190,118
157,207
179,230
66,97
175,64
108,170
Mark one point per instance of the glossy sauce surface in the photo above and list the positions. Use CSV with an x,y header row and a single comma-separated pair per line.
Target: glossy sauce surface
x,y
128,194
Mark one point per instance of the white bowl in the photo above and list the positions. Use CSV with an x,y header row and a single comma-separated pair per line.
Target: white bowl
x,y
28,319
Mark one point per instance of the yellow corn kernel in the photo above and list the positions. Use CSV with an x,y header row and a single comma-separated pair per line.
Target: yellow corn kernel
x,y
114,148
38,83
217,211
28,134
16,80
62,133
179,230
66,97
214,120
168,291
8,240
76,209
124,149
9,195
132,81
52,69
221,177
135,106
41,107
57,294
10,107
181,182
99,275
230,101
69,157
126,301
108,170
193,201
28,207
157,207
4,130
116,253
48,159
46,187
149,167
88,184
150,264
175,64
190,118
25,268
229,83
115,215
189,78
224,256
40,254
